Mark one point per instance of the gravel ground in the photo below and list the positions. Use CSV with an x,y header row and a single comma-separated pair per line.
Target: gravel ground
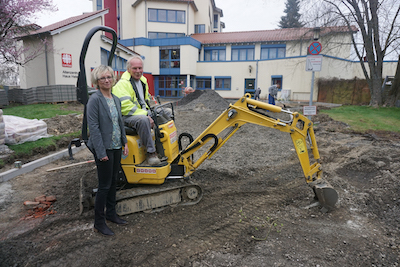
x,y
255,210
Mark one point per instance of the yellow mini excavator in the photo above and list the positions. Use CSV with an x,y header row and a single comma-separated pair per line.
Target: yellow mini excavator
x,y
154,187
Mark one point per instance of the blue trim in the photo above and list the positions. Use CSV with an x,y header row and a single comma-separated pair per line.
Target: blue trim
x,y
243,46
126,42
273,46
276,76
223,77
214,48
167,41
170,71
203,77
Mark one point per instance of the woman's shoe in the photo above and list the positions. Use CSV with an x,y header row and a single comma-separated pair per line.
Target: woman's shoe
x,y
103,229
117,220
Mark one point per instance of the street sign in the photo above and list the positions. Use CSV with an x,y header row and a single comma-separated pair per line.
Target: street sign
x,y
314,63
315,48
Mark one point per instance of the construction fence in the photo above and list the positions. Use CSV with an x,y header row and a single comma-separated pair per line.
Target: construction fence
x,y
340,91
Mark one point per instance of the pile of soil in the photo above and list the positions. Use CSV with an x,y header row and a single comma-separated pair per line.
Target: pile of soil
x,y
202,100
257,209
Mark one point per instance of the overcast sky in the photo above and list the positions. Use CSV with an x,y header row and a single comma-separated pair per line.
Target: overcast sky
x,y
239,15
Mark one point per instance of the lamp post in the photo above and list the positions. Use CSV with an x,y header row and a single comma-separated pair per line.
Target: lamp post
x,y
316,32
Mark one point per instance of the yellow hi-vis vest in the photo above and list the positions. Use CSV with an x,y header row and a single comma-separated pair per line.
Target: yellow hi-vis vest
x,y
129,101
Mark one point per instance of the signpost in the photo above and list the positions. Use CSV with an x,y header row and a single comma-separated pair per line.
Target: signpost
x,y
313,63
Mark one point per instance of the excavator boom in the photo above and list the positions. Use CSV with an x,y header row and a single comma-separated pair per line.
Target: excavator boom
x,y
247,110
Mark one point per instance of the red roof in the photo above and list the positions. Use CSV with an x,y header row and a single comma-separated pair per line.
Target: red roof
x,y
278,35
66,22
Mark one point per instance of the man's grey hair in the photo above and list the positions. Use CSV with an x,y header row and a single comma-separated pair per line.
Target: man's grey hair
x,y
128,65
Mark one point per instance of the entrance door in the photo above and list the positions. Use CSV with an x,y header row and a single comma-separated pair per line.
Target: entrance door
x,y
249,86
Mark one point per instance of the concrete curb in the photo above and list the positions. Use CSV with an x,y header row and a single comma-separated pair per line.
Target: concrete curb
x,y
8,175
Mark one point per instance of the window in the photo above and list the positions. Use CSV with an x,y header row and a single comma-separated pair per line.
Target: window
x,y
158,35
99,4
203,83
214,54
200,28
169,86
215,21
273,51
162,15
241,53
118,63
170,57
222,83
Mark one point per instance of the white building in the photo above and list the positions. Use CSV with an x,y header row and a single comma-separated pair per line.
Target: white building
x,y
183,44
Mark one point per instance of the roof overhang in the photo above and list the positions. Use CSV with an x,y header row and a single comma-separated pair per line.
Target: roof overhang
x,y
119,46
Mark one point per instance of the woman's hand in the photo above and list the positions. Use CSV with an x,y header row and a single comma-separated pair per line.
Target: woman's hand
x,y
104,159
126,150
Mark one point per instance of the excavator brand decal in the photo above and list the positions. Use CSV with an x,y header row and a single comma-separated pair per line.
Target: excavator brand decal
x,y
170,125
146,170
300,146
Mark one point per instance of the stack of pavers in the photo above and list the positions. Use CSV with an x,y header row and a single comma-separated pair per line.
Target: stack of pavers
x,y
43,94
24,96
3,98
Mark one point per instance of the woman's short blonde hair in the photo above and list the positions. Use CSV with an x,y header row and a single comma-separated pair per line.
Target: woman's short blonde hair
x,y
100,70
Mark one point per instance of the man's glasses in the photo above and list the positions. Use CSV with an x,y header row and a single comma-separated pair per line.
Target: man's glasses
x,y
103,79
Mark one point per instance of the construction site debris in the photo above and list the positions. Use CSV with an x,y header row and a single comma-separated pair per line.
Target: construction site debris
x,y
40,207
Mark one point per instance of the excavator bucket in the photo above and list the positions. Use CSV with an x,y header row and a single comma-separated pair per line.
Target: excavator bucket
x,y
325,193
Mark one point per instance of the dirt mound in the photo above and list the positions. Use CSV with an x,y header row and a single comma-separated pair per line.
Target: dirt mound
x,y
202,100
64,124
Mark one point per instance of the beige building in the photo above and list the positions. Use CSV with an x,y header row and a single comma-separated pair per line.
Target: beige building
x,y
183,44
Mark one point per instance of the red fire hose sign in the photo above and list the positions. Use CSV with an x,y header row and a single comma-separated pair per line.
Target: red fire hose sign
x,y
315,48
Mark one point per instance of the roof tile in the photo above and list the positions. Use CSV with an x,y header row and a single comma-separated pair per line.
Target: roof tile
x,y
66,22
277,35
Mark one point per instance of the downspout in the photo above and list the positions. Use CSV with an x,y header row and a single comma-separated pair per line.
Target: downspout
x,y
47,65
256,83
145,18
187,22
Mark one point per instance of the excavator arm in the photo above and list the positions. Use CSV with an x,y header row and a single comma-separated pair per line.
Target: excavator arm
x,y
247,110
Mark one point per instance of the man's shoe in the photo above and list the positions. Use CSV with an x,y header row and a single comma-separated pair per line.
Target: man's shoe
x,y
117,220
153,160
103,229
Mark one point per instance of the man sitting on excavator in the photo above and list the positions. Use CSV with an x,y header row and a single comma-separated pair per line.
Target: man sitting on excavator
x,y
133,91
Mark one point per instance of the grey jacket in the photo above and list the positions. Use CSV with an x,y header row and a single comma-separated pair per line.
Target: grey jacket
x,y
273,90
100,124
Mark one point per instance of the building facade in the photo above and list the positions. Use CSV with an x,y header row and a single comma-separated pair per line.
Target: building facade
x,y
183,44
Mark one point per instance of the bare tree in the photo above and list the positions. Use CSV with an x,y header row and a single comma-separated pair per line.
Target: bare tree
x,y
378,22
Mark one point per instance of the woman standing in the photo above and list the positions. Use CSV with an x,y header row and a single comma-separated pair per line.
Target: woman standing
x,y
107,137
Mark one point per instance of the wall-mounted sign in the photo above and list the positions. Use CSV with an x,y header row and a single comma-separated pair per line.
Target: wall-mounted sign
x,y
66,60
